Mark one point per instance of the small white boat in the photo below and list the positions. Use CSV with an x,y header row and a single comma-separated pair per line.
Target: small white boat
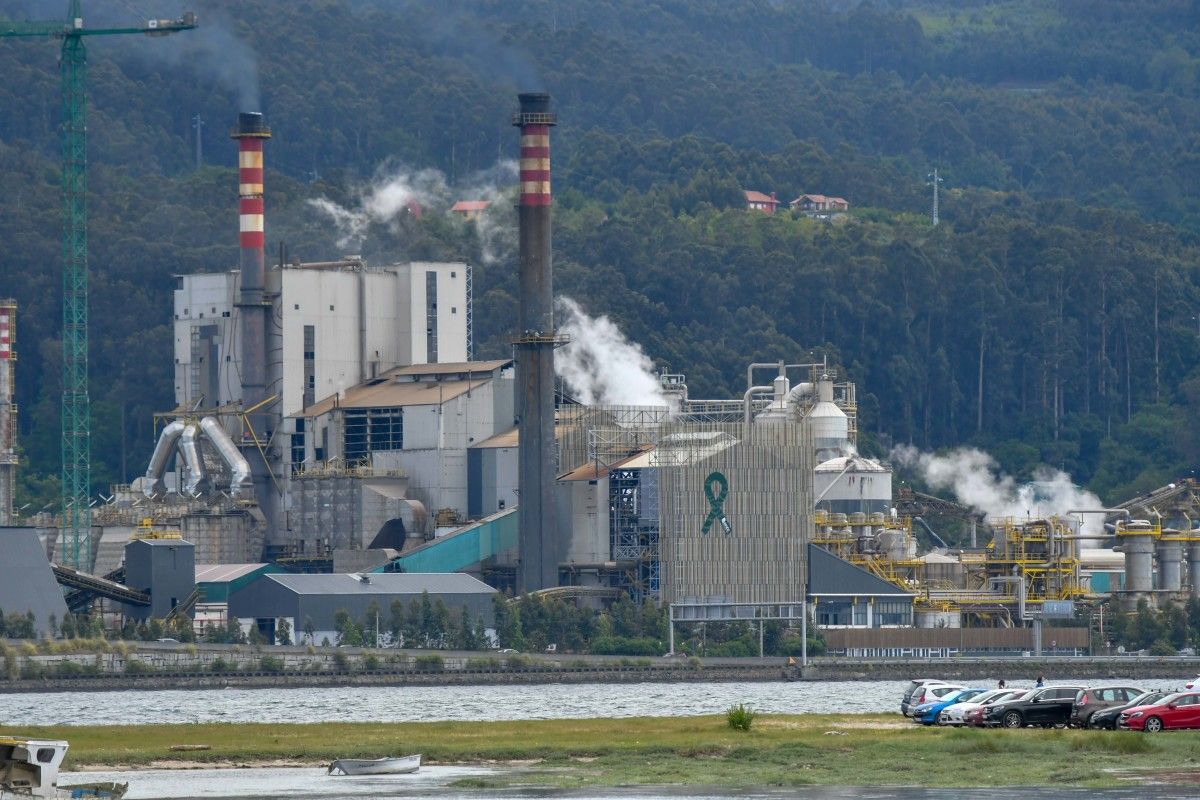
x,y
29,769
376,766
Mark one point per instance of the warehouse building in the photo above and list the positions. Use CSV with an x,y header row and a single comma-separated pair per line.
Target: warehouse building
x,y
313,601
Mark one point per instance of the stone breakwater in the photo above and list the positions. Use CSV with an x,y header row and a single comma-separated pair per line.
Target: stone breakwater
x,y
165,666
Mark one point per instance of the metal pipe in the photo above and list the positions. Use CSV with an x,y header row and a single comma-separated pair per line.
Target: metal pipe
x,y
155,486
778,365
941,542
189,446
746,402
239,467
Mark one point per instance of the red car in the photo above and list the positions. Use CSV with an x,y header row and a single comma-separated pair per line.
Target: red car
x,y
1180,710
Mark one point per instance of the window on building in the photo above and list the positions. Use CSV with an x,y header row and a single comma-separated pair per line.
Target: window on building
x,y
892,612
431,326
310,365
371,430
298,440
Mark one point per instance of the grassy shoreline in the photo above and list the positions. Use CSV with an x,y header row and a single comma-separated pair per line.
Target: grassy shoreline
x,y
780,750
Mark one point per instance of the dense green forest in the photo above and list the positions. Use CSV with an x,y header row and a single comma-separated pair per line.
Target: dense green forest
x,y
1053,317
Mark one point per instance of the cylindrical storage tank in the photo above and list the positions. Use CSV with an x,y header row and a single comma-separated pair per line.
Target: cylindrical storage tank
x,y
853,485
1194,563
1137,540
892,543
1170,561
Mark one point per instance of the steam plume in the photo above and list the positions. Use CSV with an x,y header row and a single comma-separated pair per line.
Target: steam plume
x,y
974,478
396,191
602,366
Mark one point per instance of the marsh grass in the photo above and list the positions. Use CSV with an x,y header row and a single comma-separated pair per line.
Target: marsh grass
x,y
1120,743
863,750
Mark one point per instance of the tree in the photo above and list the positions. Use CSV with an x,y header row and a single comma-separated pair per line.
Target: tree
x,y
310,629
283,632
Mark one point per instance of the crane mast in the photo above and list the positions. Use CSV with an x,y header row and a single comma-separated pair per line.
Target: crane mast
x,y
76,408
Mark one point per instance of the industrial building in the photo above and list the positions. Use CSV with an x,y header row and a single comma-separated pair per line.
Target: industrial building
x,y
334,447
311,602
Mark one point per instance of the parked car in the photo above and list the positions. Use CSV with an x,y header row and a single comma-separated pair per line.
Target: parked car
x,y
956,713
1175,711
1097,698
931,693
927,713
975,717
1194,683
906,702
1045,707
1106,718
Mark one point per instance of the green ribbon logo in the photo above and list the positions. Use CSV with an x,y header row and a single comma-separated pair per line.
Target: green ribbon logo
x,y
716,489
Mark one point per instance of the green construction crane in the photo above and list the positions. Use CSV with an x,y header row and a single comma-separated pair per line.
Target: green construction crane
x,y
76,414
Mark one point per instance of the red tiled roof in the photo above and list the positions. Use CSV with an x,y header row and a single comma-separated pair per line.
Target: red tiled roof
x,y
471,205
759,197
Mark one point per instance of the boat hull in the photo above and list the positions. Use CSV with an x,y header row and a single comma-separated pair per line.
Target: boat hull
x,y
96,791
376,766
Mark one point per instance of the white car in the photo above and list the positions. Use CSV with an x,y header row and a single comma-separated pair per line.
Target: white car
x,y
1192,684
957,714
928,693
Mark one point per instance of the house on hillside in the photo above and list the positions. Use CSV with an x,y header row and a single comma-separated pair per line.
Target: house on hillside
x,y
757,201
470,209
819,206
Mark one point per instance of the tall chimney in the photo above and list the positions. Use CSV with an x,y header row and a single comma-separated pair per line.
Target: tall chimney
x,y
8,412
540,547
253,307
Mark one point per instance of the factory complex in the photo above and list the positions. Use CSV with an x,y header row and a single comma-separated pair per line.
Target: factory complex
x,y
335,448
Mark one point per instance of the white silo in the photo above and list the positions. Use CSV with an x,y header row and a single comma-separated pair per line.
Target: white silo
x,y
852,484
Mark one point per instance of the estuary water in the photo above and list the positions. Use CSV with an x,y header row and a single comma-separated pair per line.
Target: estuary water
x,y
436,703
453,703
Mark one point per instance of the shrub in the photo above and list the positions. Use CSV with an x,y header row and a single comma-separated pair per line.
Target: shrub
x,y
483,663
739,717
429,663
68,668
370,662
270,664
31,670
341,661
518,661
694,662
135,667
622,646
221,665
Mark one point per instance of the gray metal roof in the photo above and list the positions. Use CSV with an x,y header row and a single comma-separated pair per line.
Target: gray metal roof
x,y
383,583
829,575
223,573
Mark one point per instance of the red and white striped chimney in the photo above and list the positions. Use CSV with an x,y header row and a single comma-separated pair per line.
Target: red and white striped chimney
x,y
253,307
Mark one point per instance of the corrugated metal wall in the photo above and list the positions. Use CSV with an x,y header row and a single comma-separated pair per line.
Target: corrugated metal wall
x,y
768,507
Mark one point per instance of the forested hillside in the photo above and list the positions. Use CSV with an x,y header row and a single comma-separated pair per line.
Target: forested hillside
x,y
1053,316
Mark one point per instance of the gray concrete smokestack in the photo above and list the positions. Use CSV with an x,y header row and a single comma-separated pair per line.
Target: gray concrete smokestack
x,y
541,543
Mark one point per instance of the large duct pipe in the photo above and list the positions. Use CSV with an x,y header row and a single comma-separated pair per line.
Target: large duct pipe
x,y
540,547
239,468
155,486
253,306
189,446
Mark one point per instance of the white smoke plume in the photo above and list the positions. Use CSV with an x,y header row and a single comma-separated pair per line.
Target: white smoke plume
x,y
600,365
396,191
976,481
